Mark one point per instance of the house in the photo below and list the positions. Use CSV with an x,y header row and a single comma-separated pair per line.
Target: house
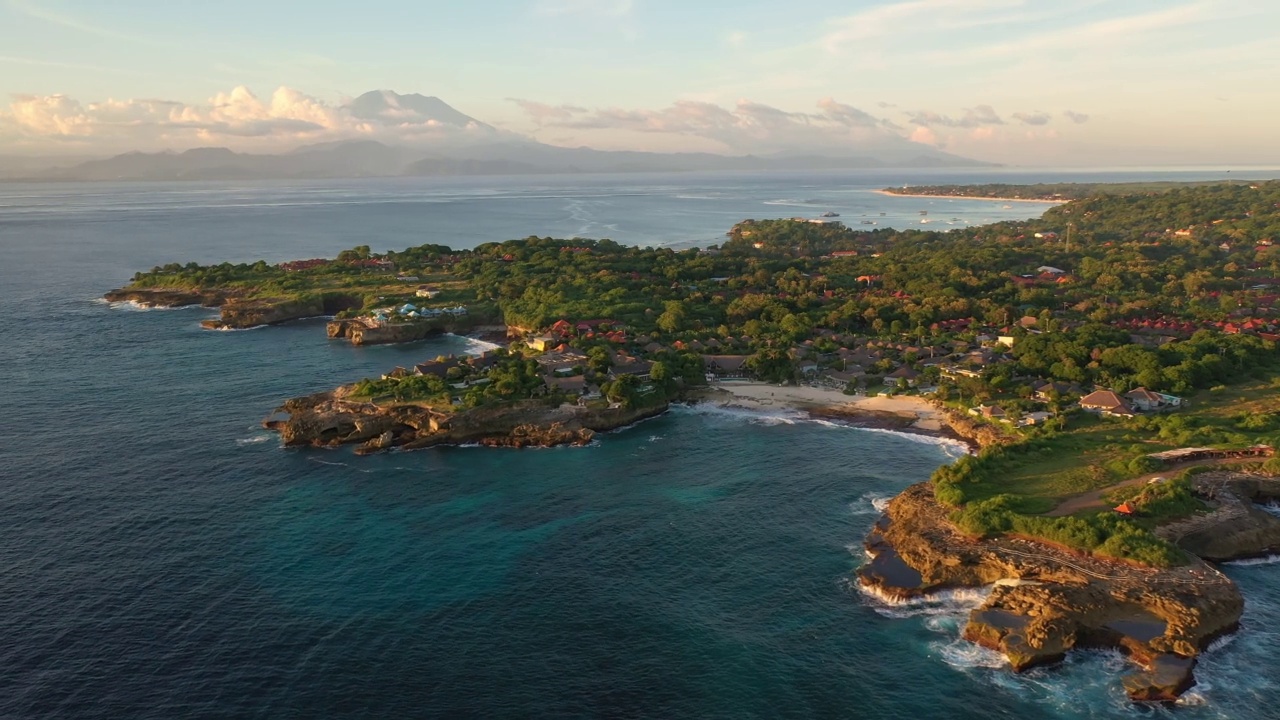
x,y
1145,400
438,368
990,412
726,366
575,386
1034,418
841,378
1050,270
639,368
902,373
1006,340
1049,390
427,292
1106,402
541,343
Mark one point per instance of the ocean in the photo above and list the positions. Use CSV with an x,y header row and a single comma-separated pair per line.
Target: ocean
x,y
163,557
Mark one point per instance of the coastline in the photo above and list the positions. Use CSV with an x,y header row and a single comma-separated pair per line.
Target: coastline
x,y
969,197
902,413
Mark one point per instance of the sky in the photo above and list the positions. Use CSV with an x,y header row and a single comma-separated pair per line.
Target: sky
x,y
1023,82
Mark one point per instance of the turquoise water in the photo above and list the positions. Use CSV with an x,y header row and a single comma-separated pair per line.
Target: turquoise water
x,y
163,557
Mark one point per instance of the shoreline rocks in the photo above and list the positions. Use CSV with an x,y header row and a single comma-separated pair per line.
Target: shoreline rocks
x,y
358,332
329,420
1046,601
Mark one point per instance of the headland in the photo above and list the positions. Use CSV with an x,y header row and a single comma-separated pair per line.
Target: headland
x,y
1120,393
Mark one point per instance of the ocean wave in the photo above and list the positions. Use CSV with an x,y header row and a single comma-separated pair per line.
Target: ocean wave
x,y
944,602
871,503
476,346
1268,560
231,329
340,464
954,449
135,306
254,439
960,653
1271,507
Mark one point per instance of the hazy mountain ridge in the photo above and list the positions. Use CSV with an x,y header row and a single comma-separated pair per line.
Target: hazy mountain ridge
x,y
473,148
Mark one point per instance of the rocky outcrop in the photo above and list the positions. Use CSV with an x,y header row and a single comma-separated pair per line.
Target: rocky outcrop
x,y
329,419
1236,528
1047,601
238,312
169,297
358,332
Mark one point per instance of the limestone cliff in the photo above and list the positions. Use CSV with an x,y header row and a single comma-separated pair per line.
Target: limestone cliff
x,y
1047,601
360,333
329,419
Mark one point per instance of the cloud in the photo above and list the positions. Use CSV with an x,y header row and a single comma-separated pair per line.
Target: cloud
x,y
975,116
236,117
1035,118
1075,117
542,113
926,136
894,20
747,126
608,8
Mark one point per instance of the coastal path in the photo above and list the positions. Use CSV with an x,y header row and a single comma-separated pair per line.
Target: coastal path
x,y
1093,500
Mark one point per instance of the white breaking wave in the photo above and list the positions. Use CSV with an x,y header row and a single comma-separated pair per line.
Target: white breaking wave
x,y
475,347
254,440
135,306
224,328
953,448
944,602
870,503
1272,508
1268,560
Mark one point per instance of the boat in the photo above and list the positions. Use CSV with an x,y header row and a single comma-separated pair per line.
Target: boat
x,y
1006,207
924,221
868,222
881,214
829,214
924,212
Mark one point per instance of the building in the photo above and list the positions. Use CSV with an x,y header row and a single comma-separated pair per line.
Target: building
x,y
725,366
641,369
1106,402
902,373
541,343
1145,400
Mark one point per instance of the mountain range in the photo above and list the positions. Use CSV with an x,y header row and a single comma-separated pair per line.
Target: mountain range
x,y
480,150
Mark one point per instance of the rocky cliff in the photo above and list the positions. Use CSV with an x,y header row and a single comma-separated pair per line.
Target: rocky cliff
x,y
360,333
329,419
237,312
1046,601
169,297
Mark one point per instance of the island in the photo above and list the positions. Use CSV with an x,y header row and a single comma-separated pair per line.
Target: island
x,y
1120,391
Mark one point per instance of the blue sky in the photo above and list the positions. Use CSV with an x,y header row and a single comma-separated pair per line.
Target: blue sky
x,y
1022,81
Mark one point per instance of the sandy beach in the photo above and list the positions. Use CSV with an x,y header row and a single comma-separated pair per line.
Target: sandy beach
x,y
969,197
916,411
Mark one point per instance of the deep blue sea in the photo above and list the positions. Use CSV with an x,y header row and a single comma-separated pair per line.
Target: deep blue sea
x,y
162,557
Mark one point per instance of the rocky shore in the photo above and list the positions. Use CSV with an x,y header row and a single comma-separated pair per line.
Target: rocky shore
x,y
237,313
1046,600
329,420
358,332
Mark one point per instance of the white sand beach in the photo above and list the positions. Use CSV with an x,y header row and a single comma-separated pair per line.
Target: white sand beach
x,y
763,395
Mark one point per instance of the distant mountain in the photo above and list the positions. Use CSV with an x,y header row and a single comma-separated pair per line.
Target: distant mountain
x,y
389,107
464,146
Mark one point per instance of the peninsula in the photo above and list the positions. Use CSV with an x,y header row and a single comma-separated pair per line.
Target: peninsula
x,y
1122,392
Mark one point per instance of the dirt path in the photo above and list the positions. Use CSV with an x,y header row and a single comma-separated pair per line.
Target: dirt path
x,y
1092,500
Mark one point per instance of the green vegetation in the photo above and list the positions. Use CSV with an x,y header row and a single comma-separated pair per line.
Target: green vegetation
x,y
1171,288
1050,192
1101,534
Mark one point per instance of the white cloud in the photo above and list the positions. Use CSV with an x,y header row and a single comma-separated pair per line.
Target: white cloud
x,y
975,116
236,118
1075,117
1035,118
898,20
607,8
747,126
